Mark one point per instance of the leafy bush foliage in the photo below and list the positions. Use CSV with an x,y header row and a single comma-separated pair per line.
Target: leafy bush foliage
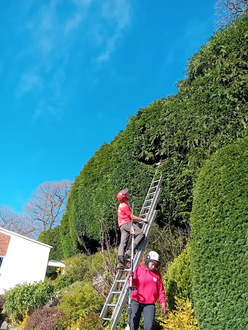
x,y
76,267
78,301
1,302
209,112
180,319
61,282
98,268
52,237
177,280
24,299
168,241
44,319
219,240
92,321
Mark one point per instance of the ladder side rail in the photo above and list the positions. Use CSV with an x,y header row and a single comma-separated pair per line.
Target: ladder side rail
x,y
143,244
153,199
121,301
153,204
119,311
109,297
148,193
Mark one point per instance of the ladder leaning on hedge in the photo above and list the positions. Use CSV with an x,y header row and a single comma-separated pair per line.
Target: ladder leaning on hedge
x,y
117,296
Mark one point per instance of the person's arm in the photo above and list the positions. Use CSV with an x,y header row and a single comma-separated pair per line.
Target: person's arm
x,y
139,219
162,298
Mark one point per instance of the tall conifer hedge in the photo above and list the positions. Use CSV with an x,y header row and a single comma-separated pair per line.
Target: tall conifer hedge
x,y
219,240
209,112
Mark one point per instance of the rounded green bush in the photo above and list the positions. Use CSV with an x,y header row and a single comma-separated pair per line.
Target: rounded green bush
x,y
219,240
178,279
80,300
24,298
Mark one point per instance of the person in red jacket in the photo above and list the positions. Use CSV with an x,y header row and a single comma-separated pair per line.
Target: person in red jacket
x,y
125,223
149,284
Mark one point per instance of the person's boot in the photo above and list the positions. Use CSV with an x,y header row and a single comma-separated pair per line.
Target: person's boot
x,y
128,254
121,263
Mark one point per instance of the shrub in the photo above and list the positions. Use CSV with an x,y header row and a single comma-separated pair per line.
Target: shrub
x,y
1,302
78,301
61,282
178,280
219,240
52,237
92,321
77,267
169,242
44,319
24,299
180,319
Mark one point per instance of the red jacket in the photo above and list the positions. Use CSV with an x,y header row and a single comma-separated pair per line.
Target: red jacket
x,y
149,285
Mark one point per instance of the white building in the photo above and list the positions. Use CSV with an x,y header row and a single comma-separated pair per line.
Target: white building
x,y
21,260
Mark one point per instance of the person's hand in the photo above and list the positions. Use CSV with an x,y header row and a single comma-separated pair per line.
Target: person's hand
x,y
131,230
145,220
163,307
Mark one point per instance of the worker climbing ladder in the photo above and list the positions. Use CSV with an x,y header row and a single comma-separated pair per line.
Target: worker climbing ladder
x,y
118,294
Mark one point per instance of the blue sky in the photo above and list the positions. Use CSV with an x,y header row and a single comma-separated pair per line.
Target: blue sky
x,y
72,72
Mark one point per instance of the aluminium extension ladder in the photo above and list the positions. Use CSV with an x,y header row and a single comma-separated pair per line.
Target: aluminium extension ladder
x,y
118,294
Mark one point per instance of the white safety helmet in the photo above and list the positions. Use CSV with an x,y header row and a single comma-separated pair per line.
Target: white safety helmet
x,y
152,256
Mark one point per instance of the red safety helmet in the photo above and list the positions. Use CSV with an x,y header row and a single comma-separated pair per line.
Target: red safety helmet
x,y
122,194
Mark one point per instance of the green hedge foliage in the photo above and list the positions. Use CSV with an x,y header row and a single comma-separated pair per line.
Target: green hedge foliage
x,y
52,237
209,112
219,240
178,282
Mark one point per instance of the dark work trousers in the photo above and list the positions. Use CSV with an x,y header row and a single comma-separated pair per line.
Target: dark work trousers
x,y
136,311
125,234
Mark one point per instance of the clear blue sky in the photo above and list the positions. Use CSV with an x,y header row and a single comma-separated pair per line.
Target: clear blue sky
x,y
72,72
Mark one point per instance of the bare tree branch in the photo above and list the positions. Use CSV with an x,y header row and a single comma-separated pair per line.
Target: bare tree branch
x,y
228,10
48,203
16,222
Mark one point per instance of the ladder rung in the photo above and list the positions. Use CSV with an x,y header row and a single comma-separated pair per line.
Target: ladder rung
x,y
107,319
116,292
111,305
125,270
120,281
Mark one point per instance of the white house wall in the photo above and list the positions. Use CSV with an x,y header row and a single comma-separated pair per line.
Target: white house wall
x,y
25,261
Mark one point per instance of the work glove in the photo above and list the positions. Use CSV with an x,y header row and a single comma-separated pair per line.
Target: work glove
x,y
145,220
163,307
